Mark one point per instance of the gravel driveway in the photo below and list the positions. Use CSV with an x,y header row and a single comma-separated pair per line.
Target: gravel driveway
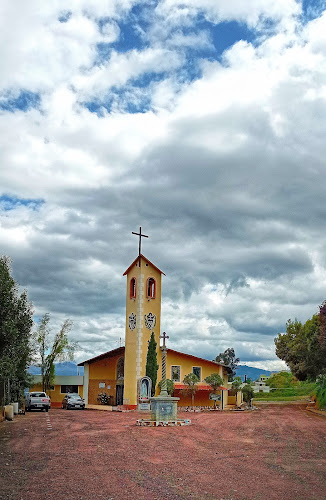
x,y
278,452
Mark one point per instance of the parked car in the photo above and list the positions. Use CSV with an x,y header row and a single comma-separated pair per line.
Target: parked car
x,y
37,400
73,400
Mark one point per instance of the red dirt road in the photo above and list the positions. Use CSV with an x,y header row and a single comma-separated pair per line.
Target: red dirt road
x,y
278,452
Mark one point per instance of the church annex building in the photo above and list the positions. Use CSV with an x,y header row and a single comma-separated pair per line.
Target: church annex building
x,y
121,372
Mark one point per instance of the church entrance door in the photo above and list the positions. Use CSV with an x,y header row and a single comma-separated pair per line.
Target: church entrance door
x,y
119,395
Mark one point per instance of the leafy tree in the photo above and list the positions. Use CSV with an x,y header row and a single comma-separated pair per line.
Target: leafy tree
x,y
248,393
215,381
301,349
191,380
282,380
322,324
236,384
151,362
228,358
16,321
60,350
169,386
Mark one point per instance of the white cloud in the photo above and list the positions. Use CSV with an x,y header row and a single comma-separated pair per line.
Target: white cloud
x,y
232,10
225,171
122,67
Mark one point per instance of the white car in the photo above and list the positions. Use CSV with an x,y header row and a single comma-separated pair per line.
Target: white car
x,y
37,400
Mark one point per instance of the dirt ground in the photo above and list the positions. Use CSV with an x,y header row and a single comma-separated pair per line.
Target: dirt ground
x,y
278,452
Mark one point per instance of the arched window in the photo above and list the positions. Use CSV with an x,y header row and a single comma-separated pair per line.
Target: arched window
x,y
133,288
120,369
151,288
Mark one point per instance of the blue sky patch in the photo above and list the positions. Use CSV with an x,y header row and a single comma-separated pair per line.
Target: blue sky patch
x,y
11,202
23,101
226,34
312,9
64,17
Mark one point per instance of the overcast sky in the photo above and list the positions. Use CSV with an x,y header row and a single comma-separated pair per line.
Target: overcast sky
x,y
203,121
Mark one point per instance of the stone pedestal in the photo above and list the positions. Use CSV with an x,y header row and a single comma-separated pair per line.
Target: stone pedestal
x,y
164,408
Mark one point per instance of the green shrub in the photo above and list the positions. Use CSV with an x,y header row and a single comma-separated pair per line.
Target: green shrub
x,y
248,393
320,391
169,386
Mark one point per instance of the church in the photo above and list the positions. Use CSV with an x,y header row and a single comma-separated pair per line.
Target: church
x,y
121,372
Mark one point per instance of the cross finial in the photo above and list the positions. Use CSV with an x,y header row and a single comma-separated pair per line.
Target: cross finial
x,y
164,336
140,236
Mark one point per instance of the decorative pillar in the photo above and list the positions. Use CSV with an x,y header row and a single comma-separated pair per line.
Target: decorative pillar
x,y
164,391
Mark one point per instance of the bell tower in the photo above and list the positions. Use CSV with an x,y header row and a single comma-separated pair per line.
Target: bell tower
x,y
143,316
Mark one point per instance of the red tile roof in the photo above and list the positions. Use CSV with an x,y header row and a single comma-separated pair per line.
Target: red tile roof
x,y
109,354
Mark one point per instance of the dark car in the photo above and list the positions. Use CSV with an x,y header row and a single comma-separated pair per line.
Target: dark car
x,y
73,401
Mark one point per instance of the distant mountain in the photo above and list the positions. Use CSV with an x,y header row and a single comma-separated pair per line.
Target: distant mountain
x,y
65,368
253,373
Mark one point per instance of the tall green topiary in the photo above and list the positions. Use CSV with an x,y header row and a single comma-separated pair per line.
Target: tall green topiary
x,y
151,362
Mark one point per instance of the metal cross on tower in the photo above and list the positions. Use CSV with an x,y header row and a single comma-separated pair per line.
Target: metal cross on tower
x,y
140,237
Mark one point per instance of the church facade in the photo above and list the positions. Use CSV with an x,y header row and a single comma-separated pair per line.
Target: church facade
x,y
121,373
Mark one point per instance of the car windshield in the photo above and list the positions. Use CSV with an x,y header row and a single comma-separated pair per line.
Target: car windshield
x,y
38,394
73,396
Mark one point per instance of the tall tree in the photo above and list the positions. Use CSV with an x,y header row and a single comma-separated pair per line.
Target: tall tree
x,y
16,321
228,358
191,380
60,350
301,349
151,362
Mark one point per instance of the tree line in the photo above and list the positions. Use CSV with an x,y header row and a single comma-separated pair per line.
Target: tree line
x,y
24,342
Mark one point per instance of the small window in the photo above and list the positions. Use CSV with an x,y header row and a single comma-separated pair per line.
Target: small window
x,y
151,288
65,389
133,288
175,373
196,370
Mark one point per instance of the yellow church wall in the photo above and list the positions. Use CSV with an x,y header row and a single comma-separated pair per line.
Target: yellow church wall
x,y
187,363
94,390
136,341
104,368
103,372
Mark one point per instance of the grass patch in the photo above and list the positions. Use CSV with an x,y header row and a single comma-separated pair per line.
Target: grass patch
x,y
303,391
282,398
